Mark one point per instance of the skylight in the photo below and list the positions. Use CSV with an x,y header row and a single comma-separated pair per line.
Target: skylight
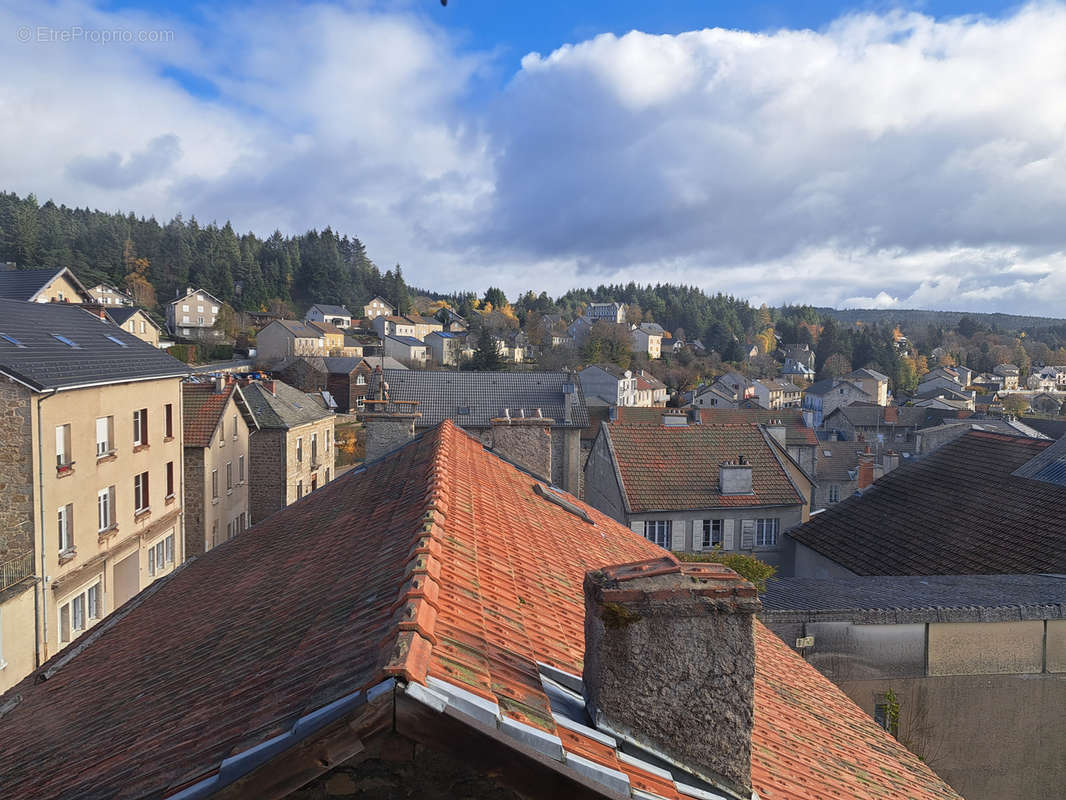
x,y
11,340
66,341
119,342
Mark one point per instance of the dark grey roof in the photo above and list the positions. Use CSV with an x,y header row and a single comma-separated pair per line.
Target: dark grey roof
x,y
863,415
340,364
44,362
1055,428
287,407
821,387
410,341
23,284
122,314
866,372
336,311
930,597
1049,466
440,395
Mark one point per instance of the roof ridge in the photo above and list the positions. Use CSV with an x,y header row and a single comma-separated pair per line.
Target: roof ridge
x,y
414,612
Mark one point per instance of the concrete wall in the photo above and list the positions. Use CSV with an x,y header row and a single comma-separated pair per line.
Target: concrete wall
x,y
60,290
17,633
801,561
601,481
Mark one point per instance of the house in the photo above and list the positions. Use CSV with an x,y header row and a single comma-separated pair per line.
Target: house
x,y
333,338
284,338
217,426
136,321
841,468
608,312
648,339
824,397
736,385
1046,403
393,326
1049,378
193,314
91,472
690,486
1010,374
424,326
345,378
934,437
43,286
337,316
941,378
886,427
406,349
465,692
291,453
932,658
453,323
873,383
797,371
444,347
799,354
985,503
777,394
714,396
650,391
105,294
578,331
616,386
473,400
945,397
378,307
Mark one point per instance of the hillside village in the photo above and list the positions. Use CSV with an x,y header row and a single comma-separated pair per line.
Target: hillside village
x,y
833,486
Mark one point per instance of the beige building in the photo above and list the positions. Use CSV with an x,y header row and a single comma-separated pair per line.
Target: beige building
x,y
291,453
378,307
43,286
193,314
648,339
873,383
217,426
332,338
92,421
137,322
107,295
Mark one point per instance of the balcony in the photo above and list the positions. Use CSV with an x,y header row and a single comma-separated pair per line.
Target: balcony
x,y
15,570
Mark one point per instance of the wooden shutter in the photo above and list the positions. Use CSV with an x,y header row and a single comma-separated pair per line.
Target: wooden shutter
x,y
677,535
638,526
697,534
747,534
729,539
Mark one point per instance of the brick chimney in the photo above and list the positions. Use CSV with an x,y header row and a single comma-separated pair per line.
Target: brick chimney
x,y
734,477
866,468
670,664
270,386
525,441
891,414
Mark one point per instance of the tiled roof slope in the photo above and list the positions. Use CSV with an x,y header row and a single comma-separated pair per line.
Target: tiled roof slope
x,y
23,284
202,407
796,431
842,458
957,511
676,468
440,395
44,362
438,563
286,407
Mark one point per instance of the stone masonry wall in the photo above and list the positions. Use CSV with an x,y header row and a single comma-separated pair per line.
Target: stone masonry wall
x,y
525,442
385,433
194,502
16,470
266,473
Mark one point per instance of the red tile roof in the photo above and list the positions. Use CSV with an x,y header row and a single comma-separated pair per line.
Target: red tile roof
x,y
202,408
441,562
667,468
796,431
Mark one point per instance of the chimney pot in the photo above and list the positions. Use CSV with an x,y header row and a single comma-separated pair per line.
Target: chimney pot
x,y
658,635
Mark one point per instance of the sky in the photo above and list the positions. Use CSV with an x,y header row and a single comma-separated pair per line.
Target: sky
x,y
846,154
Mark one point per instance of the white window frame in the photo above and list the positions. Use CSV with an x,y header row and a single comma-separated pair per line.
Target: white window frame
x,y
240,470
87,601
106,445
65,528
63,447
708,534
214,484
140,427
141,492
105,509
767,531
161,555
659,531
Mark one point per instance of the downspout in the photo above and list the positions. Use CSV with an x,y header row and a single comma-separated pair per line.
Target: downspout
x,y
42,607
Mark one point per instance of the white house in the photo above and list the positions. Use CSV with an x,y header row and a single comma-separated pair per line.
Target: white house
x,y
648,338
406,349
338,316
614,385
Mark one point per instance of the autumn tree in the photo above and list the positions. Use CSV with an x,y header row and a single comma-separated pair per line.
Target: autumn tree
x,y
137,284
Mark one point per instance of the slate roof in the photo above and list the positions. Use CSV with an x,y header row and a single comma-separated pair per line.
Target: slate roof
x,y
1055,428
613,370
120,315
25,284
410,341
301,330
440,565
340,365
866,372
957,511
44,362
440,395
675,468
1017,596
840,463
828,385
862,415
333,311
202,408
287,407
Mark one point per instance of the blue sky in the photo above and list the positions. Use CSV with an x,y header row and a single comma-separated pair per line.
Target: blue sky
x,y
838,154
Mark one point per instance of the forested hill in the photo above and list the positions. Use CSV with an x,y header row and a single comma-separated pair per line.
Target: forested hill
x,y
912,319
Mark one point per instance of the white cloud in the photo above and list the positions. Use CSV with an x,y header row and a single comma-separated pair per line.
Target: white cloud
x,y
890,159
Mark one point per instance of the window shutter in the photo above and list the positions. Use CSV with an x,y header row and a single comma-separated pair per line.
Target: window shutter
x,y
747,534
677,535
728,538
638,526
697,534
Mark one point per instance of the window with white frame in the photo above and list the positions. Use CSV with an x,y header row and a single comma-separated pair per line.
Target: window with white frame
x,y
140,492
105,436
161,555
63,457
214,484
65,528
834,493
222,432
185,307
142,327
659,531
299,449
229,477
235,426
105,509
766,531
240,469
140,427
80,611
712,533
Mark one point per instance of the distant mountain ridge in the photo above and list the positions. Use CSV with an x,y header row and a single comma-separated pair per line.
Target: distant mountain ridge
x,y
941,319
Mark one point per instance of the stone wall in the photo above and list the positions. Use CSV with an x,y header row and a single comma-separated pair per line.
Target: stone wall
x,y
195,536
386,432
525,442
266,473
16,470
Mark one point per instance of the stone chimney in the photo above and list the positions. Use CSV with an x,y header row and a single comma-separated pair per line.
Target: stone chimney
x,y
734,477
525,441
389,423
670,664
891,461
776,428
569,399
866,468
220,384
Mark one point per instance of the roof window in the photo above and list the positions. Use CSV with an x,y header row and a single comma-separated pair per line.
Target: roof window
x,y
553,496
464,411
119,342
66,341
11,340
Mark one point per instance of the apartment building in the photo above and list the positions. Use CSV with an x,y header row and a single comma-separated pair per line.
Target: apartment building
x,y
193,314
93,497
217,425
291,453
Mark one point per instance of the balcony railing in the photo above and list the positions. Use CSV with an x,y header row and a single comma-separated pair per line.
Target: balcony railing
x,y
16,569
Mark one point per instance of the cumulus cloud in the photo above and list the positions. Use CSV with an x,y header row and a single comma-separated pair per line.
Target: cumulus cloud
x,y
889,159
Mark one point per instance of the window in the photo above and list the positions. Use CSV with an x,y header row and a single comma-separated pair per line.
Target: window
x,y
105,436
200,309
314,482
66,528
140,427
119,342
314,448
360,380
327,474
234,427
185,307
80,611
214,309
214,484
63,445
766,532
299,489
214,534
168,420
240,469
834,493
105,508
185,318
140,492
658,531
161,555
712,533
170,479
299,449
66,341
142,327
229,477
200,320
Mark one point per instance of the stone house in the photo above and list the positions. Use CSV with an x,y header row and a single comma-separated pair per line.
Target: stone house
x,y
105,294
136,321
193,314
43,286
218,427
822,398
291,453
92,473
1010,374
689,486
336,316
378,307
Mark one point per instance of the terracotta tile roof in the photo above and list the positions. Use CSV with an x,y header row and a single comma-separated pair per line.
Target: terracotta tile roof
x,y
202,407
957,511
796,431
441,564
676,468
